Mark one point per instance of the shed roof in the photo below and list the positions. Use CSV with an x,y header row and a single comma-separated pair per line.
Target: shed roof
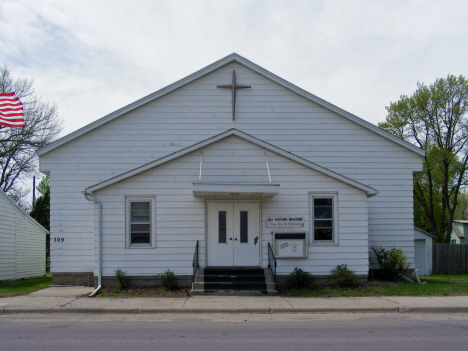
x,y
210,68
424,232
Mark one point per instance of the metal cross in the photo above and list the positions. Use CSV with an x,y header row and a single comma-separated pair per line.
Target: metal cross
x,y
234,87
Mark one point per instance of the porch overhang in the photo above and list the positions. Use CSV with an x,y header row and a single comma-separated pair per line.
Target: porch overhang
x,y
235,190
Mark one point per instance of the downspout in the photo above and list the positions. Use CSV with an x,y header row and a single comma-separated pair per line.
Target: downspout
x,y
99,241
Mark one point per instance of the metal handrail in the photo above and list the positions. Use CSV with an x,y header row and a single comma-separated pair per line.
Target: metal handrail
x,y
195,264
272,262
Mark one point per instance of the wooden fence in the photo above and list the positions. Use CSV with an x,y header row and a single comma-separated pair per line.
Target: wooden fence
x,y
449,258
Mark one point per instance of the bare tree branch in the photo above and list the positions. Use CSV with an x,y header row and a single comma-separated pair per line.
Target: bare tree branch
x,y
18,145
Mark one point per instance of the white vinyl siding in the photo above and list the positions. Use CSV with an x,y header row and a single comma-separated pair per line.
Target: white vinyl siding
x,y
22,243
198,111
423,252
180,216
7,240
420,256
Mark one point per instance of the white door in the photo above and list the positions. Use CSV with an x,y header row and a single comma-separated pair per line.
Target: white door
x,y
420,256
233,234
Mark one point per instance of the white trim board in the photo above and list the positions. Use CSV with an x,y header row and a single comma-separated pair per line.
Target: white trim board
x,y
229,189
233,132
210,68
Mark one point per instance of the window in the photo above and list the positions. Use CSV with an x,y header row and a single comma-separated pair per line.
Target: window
x,y
222,227
323,219
140,222
244,227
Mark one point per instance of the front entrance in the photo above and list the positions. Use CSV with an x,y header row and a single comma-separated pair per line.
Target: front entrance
x,y
233,234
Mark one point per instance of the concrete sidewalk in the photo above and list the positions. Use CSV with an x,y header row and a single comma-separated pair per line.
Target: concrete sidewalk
x,y
75,300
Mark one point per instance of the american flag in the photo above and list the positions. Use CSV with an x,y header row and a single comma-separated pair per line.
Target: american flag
x,y
11,110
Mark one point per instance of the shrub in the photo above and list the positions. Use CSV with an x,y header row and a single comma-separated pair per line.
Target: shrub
x,y
392,263
168,280
121,280
343,276
299,279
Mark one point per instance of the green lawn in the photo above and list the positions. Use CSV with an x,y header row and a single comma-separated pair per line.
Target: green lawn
x,y
460,279
25,286
434,286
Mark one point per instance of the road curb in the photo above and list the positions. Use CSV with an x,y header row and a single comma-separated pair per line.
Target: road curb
x,y
29,310
334,310
17,310
444,309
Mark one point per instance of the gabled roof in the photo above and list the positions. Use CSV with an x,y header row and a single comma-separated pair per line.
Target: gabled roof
x,y
370,191
424,232
208,69
23,213
457,230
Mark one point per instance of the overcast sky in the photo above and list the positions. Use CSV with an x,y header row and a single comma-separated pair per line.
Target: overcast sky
x,y
93,57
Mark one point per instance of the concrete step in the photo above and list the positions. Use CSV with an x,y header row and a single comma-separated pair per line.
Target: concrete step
x,y
234,281
202,286
234,293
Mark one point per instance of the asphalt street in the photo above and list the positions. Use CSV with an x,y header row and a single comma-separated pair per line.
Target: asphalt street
x,y
383,331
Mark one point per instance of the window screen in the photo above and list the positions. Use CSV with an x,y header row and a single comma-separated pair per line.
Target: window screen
x,y
140,223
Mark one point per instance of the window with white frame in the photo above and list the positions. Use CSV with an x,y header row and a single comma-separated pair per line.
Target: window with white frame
x,y
140,222
323,218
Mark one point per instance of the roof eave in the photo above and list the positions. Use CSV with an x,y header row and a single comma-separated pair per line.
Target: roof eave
x,y
426,233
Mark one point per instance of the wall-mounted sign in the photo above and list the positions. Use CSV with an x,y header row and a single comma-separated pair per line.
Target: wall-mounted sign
x,y
290,248
290,245
285,222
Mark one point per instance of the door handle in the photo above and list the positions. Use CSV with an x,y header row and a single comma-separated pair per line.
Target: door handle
x,y
230,238
235,239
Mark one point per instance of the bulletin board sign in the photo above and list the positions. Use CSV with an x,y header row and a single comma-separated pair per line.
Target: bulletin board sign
x,y
290,245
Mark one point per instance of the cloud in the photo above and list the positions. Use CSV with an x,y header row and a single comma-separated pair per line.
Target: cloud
x,y
93,57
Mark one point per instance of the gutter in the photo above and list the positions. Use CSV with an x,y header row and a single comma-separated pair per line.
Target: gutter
x,y
93,199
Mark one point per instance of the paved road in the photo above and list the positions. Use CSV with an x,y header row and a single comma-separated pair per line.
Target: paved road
x,y
234,332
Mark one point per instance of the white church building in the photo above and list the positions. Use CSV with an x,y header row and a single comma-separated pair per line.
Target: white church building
x,y
229,168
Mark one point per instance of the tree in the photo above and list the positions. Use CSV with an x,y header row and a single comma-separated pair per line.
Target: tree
x,y
44,185
41,208
20,196
435,119
461,212
18,145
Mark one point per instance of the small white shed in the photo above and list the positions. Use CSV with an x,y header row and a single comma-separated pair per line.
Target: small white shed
x,y
22,243
423,251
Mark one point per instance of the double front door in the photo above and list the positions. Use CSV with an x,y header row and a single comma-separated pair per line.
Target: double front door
x,y
233,234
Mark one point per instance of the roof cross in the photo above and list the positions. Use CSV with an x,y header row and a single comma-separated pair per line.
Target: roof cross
x,y
234,87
